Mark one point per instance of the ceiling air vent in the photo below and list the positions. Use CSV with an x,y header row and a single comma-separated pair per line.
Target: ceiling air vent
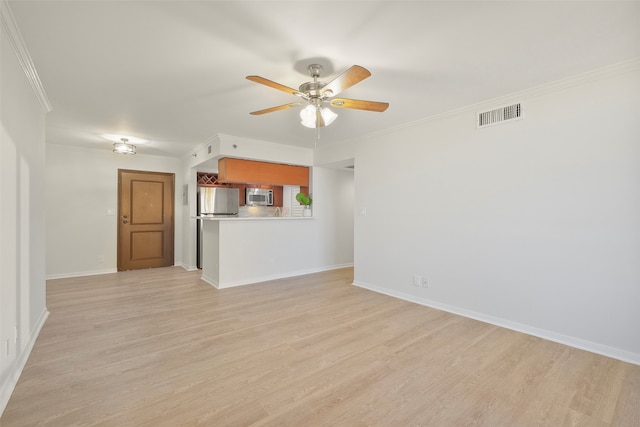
x,y
499,115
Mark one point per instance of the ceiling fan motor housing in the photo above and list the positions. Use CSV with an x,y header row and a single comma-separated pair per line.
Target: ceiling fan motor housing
x,y
312,89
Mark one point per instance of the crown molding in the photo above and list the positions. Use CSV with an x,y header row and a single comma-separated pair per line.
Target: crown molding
x,y
10,28
628,66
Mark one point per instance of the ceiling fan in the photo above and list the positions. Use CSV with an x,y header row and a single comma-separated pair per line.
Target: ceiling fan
x,y
316,94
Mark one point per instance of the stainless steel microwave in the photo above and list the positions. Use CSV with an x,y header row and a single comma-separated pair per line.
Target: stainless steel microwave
x,y
259,197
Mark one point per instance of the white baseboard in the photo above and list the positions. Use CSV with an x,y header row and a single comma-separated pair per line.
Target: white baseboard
x,y
260,279
106,271
581,344
188,267
210,281
81,273
6,389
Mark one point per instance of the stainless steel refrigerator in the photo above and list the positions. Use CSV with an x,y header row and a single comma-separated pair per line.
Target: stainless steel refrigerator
x,y
214,201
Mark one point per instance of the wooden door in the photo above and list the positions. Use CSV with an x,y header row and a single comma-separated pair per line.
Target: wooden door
x,y
145,219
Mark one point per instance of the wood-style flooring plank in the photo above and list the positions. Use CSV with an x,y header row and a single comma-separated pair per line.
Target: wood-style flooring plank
x,y
160,347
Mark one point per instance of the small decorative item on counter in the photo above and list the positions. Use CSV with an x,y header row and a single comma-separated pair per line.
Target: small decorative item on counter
x,y
304,200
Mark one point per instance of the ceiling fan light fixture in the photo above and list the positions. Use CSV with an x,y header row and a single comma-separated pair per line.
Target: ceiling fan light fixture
x,y
328,116
309,117
123,147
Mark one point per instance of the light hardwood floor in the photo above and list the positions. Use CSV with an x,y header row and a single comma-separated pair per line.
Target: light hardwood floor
x,y
162,348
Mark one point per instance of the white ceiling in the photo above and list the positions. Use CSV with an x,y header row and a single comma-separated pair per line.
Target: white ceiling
x,y
173,72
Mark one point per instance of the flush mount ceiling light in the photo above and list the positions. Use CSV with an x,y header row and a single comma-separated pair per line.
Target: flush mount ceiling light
x,y
123,147
316,93
124,144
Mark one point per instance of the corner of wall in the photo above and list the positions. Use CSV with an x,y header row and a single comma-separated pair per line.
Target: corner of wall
x,y
7,387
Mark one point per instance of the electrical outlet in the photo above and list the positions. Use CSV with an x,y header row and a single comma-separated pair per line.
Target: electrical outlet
x,y
424,283
100,258
416,280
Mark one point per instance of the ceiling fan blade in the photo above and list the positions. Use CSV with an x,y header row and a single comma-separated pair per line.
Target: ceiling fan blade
x,y
345,80
275,85
278,108
359,104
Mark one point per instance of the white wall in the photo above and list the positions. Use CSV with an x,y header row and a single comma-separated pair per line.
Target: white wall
x,y
81,188
333,195
188,226
532,224
232,146
22,218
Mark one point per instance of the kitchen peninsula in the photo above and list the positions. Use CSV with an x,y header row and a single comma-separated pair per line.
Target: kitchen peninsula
x,y
243,250
256,246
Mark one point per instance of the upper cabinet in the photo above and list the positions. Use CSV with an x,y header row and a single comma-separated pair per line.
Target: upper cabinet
x,y
249,171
